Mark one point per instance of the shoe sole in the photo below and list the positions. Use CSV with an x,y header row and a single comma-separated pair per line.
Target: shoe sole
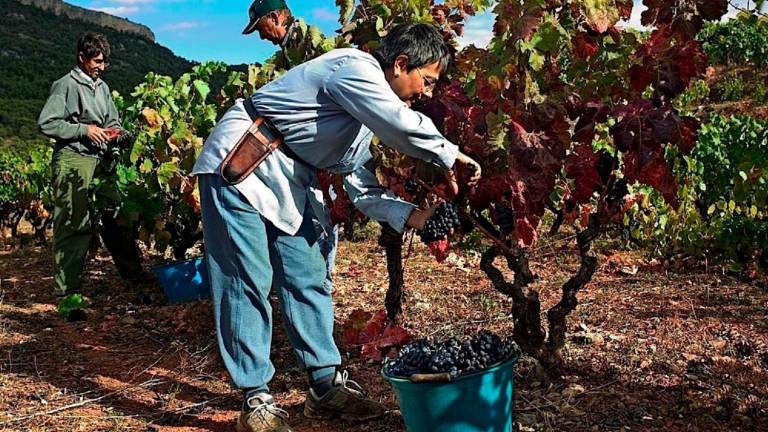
x,y
324,415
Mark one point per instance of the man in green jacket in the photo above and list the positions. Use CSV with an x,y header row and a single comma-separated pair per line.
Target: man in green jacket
x,y
298,41
78,115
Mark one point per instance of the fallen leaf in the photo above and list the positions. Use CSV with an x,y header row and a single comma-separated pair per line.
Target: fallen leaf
x,y
629,270
573,390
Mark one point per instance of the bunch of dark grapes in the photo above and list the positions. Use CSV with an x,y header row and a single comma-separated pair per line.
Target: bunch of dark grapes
x,y
618,191
411,186
498,349
412,359
453,356
439,226
446,357
605,166
123,141
626,231
505,218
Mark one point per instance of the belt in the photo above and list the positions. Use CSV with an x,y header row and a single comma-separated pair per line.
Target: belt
x,y
269,129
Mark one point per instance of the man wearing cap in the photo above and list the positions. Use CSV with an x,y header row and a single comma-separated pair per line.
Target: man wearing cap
x,y
298,41
77,116
260,229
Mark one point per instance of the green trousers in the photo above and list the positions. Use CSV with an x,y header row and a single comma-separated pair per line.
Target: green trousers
x,y
72,228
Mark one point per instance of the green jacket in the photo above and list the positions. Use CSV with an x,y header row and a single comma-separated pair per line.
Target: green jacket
x,y
303,43
75,102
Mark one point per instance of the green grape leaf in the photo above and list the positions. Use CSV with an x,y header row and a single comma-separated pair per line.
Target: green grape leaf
x,y
202,88
166,171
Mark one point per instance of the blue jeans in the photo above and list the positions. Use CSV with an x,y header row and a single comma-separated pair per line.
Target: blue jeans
x,y
244,252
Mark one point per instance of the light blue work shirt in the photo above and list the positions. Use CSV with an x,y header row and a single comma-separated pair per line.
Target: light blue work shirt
x,y
328,109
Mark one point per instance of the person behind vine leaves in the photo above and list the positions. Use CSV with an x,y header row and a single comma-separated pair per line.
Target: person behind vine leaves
x,y
275,23
327,111
76,115
298,41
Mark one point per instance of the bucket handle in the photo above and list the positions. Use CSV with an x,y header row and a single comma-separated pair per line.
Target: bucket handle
x,y
430,378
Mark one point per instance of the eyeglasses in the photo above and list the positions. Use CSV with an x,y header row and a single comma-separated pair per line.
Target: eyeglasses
x,y
428,85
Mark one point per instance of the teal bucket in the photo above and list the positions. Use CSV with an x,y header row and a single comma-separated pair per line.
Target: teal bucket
x,y
184,281
477,402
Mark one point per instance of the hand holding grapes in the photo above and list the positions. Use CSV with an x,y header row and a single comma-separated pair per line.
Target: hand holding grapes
x,y
418,218
472,168
97,134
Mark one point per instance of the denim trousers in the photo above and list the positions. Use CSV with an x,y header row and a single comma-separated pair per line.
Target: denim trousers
x,y
245,256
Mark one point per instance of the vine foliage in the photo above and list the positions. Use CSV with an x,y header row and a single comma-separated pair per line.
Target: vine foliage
x,y
563,110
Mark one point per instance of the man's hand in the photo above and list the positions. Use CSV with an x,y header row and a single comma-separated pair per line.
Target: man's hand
x,y
97,135
418,218
472,169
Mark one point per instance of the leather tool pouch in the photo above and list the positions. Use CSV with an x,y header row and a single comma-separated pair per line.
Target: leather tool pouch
x,y
258,142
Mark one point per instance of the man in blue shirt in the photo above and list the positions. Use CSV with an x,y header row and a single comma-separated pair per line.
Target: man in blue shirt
x,y
260,229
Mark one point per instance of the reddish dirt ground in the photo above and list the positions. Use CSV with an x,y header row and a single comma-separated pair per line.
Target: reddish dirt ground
x,y
649,348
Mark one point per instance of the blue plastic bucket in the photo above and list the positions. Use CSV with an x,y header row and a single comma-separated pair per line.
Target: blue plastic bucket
x,y
477,402
184,281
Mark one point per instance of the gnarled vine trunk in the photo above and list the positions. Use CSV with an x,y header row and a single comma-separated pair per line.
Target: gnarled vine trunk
x,y
392,242
526,309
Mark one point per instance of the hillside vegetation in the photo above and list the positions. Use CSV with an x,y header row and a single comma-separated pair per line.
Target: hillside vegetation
x,y
38,47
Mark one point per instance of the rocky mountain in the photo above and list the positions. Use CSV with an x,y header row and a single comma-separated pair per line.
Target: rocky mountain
x,y
38,44
101,19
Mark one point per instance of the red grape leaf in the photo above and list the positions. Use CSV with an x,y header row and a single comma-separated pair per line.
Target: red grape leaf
x,y
712,9
373,333
393,336
625,8
583,46
528,23
581,166
439,249
353,325
525,232
584,131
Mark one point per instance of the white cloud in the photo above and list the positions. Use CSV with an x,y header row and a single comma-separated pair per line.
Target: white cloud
x,y
118,10
478,30
122,7
183,25
324,14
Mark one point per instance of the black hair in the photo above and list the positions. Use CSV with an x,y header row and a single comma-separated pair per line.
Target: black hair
x,y
421,43
92,44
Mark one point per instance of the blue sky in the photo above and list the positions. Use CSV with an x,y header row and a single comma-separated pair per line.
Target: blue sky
x,y
211,29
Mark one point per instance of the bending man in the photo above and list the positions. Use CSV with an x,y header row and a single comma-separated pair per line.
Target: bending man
x,y
327,110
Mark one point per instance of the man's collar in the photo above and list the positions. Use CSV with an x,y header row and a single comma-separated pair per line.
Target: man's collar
x,y
288,32
83,77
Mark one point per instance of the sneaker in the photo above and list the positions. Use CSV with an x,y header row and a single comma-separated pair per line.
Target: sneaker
x,y
72,307
262,416
346,400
